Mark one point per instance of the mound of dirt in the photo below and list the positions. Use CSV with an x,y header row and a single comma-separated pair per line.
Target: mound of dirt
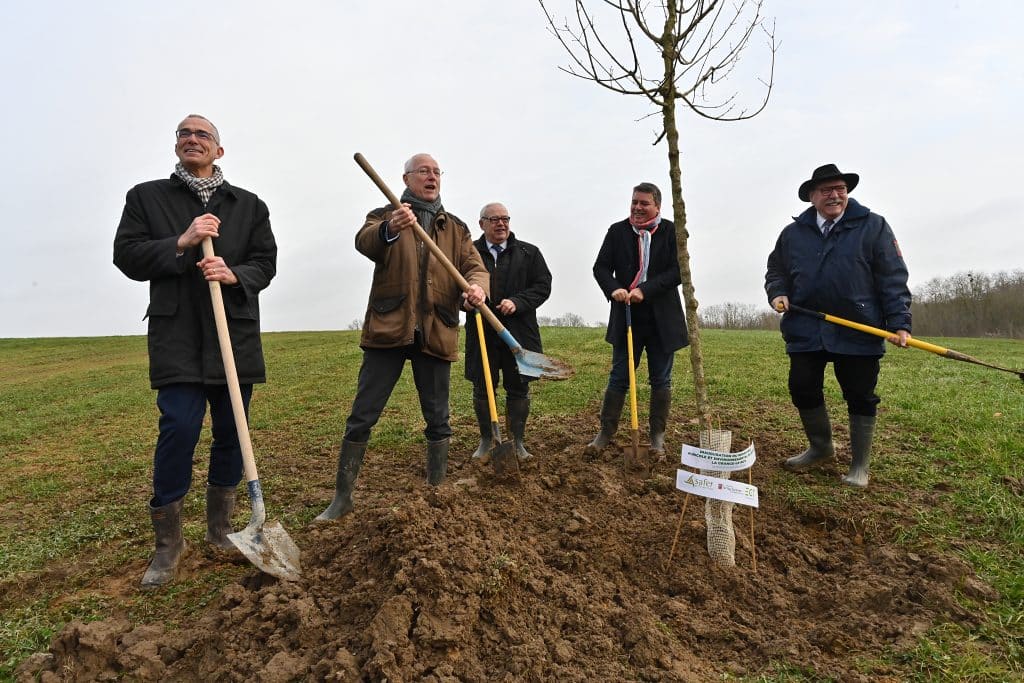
x,y
561,577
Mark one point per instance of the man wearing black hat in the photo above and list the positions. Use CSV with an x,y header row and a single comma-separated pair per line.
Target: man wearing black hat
x,y
840,258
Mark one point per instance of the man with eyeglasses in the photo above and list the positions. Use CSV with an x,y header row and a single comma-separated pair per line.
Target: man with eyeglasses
x,y
412,315
520,283
638,266
837,257
159,240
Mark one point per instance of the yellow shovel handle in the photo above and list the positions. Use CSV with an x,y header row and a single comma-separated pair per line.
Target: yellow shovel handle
x,y
487,369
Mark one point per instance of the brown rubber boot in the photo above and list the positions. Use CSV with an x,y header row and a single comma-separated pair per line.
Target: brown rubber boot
x,y
170,545
220,503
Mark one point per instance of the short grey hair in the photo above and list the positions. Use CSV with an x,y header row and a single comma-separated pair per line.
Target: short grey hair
x,y
483,211
410,166
216,133
651,189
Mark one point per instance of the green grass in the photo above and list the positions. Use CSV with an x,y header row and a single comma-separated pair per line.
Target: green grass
x,y
78,423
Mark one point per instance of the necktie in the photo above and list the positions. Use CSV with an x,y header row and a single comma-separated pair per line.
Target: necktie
x,y
826,227
497,248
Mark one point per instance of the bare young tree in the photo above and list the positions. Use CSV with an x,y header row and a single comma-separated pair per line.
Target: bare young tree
x,y
672,52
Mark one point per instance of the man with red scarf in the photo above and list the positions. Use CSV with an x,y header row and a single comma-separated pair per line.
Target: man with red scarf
x,y
638,266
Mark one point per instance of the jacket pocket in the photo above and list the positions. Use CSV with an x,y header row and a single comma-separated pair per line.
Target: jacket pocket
x,y
447,315
387,304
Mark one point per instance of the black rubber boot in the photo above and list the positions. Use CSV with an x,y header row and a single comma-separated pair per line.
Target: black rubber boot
x,y
819,433
483,418
661,401
518,412
611,411
220,503
437,461
350,459
170,545
862,430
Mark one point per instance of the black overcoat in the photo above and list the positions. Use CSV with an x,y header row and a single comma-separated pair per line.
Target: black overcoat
x,y
616,266
182,334
521,275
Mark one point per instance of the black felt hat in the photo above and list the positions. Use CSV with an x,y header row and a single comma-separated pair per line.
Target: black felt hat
x,y
823,173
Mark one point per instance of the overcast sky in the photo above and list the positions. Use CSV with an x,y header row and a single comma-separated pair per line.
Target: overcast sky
x,y
921,98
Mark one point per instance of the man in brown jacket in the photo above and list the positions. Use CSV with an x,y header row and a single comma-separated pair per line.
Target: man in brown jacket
x,y
412,314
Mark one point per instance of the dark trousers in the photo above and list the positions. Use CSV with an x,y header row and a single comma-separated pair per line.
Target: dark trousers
x,y
659,362
502,363
182,409
857,376
378,375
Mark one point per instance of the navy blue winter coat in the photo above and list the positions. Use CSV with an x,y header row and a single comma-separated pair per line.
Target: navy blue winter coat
x,y
857,273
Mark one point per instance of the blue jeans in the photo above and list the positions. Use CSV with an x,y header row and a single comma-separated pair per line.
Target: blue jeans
x,y
182,409
659,363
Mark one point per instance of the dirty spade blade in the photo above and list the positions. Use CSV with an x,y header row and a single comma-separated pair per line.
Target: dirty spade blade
x,y
270,548
533,364
504,460
637,457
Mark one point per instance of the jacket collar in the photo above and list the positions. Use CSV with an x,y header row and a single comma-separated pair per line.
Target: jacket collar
x,y
854,210
224,189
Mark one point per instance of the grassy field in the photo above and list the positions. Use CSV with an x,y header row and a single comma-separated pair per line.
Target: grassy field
x,y
78,420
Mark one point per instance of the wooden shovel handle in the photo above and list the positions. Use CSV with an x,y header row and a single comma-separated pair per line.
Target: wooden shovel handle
x,y
231,373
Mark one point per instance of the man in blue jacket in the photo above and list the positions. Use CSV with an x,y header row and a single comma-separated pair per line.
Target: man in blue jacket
x,y
638,265
839,258
159,240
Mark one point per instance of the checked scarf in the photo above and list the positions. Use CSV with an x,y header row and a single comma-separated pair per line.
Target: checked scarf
x,y
204,187
643,242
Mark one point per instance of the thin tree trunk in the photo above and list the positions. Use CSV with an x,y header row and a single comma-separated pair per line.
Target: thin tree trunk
x,y
668,112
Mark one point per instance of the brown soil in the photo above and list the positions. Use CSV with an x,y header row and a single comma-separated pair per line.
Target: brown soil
x,y
561,577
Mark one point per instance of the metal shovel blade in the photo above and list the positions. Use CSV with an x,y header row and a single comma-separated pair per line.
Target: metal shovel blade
x,y
533,364
504,460
270,548
637,457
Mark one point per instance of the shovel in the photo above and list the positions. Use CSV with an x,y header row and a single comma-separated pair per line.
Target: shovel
x,y
916,343
636,456
503,455
268,546
530,363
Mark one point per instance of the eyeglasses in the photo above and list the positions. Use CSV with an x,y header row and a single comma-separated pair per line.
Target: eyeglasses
x,y
424,172
186,133
497,219
826,191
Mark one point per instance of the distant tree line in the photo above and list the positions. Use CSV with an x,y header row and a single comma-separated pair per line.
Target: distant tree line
x,y
967,304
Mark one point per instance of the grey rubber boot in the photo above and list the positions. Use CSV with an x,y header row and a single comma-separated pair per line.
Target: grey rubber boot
x,y
483,418
518,412
819,433
661,401
862,430
611,411
437,461
220,503
170,544
350,459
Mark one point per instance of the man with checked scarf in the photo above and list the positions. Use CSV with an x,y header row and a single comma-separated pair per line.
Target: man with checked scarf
x,y
638,264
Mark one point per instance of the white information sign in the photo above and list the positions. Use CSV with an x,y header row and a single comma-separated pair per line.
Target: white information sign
x,y
719,489
704,459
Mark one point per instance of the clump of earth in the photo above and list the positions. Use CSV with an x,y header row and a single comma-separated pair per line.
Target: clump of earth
x,y
562,576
